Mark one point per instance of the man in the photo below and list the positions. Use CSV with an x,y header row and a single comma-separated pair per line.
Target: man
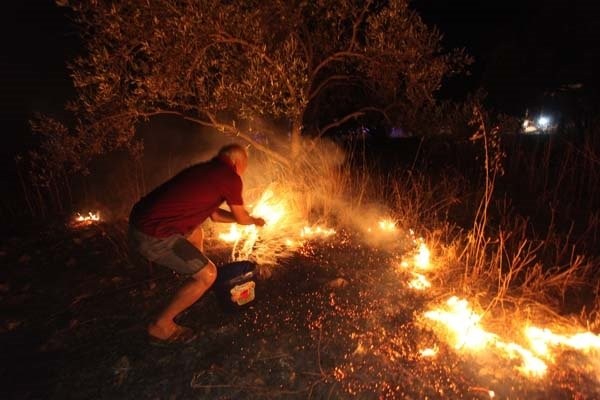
x,y
165,227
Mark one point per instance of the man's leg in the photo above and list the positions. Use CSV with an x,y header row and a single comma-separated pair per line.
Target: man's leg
x,y
164,326
197,238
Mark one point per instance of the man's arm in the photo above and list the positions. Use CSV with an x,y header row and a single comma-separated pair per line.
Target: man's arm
x,y
221,215
238,214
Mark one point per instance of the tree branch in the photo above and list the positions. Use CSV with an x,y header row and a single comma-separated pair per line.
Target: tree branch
x,y
326,82
226,38
357,23
334,57
233,130
212,122
355,114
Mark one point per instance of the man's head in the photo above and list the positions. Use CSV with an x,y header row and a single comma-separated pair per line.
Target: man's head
x,y
237,155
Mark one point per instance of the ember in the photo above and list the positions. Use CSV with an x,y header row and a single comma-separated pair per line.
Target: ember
x,y
284,232
80,220
460,325
420,282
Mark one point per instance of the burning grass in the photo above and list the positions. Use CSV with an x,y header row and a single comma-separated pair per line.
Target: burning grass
x,y
83,220
487,308
469,265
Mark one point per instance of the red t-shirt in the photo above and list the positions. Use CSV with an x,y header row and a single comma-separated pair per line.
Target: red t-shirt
x,y
188,199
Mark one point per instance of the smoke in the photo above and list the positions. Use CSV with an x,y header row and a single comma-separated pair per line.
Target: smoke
x,y
317,194
320,190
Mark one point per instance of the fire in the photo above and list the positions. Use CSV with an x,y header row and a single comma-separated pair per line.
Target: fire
x,y
421,259
384,225
80,220
461,326
317,231
285,229
419,282
462,323
387,225
466,332
90,217
429,352
542,339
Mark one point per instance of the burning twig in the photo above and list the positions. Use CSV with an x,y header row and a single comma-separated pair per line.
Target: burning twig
x,y
80,220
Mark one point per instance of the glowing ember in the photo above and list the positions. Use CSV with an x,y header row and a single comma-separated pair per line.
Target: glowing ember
x,y
90,217
419,282
428,352
285,229
80,220
317,231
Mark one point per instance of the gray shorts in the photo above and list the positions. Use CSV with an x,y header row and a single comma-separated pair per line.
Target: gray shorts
x,y
174,252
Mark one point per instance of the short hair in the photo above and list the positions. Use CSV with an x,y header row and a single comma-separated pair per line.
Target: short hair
x,y
234,152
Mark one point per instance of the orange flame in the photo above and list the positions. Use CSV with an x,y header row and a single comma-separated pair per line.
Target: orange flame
x,y
465,330
80,220
285,229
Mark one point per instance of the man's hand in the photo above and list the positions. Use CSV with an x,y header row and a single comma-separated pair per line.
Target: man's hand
x,y
259,221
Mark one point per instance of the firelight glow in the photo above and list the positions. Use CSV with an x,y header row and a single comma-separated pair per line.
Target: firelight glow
x,y
89,217
419,282
541,340
421,259
387,225
466,333
81,220
285,229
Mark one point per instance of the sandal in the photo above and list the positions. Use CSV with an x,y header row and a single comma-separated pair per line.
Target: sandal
x,y
181,336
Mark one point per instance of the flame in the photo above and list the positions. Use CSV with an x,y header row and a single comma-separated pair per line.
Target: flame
x,y
466,332
542,339
316,231
90,217
428,352
79,220
419,282
387,225
285,229
421,259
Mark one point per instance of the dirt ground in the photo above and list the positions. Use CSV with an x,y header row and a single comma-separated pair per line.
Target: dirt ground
x,y
335,321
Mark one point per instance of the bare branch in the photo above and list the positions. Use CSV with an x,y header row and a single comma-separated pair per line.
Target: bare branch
x,y
326,82
226,38
357,23
340,55
355,114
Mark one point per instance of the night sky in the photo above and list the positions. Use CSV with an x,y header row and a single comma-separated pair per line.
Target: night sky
x,y
522,50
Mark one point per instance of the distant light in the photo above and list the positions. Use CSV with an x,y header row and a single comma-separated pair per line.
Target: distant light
x,y
543,122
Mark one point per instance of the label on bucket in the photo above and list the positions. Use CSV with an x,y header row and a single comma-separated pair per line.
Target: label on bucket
x,y
242,294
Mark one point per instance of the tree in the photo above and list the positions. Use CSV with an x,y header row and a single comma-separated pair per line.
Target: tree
x,y
225,64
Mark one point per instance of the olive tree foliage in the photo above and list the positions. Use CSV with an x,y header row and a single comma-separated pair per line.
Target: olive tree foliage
x,y
226,64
